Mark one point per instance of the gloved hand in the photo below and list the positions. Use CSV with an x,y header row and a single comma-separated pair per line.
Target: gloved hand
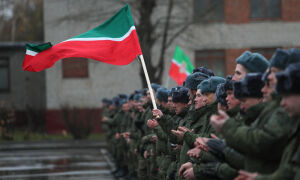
x,y
216,147
210,169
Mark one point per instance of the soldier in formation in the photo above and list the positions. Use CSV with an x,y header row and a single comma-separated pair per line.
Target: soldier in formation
x,y
244,127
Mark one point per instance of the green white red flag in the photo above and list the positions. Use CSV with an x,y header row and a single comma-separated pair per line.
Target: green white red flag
x,y
114,42
181,66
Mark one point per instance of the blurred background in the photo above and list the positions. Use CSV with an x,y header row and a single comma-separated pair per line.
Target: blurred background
x,y
67,98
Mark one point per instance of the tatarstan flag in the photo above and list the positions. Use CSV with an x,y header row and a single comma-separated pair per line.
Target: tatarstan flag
x,y
181,66
114,42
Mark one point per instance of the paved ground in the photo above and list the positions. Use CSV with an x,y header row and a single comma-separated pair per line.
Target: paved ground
x,y
57,161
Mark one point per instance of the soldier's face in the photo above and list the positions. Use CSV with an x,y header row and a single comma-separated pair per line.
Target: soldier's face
x,y
170,103
270,86
246,103
239,73
179,107
125,107
199,100
232,102
291,104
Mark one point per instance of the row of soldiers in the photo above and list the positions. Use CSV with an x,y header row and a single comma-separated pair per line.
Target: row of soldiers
x,y
244,127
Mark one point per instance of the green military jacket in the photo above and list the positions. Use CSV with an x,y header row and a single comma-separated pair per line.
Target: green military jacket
x,y
201,127
289,164
272,128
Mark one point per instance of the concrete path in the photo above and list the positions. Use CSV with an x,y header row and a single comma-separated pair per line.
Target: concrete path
x,y
54,160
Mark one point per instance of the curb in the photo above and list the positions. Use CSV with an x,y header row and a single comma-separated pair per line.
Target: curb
x,y
78,144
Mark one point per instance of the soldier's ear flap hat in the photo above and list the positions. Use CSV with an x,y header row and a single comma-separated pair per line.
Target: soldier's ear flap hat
x,y
181,95
253,62
155,86
228,85
194,79
250,86
288,80
162,94
210,84
221,94
204,70
280,59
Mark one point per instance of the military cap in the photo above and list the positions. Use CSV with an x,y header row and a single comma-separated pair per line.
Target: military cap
x,y
123,96
228,83
204,70
221,94
253,62
115,101
288,80
137,97
194,79
280,59
155,86
144,91
181,95
162,94
250,86
210,84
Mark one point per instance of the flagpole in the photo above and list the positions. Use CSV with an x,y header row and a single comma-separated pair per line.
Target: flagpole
x,y
168,79
148,81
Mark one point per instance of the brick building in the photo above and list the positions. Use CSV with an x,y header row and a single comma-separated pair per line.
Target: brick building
x,y
238,25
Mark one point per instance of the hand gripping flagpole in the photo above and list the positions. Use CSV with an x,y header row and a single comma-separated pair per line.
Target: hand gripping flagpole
x,y
148,81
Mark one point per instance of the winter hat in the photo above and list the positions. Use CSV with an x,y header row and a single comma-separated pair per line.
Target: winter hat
x,y
210,84
162,94
228,83
254,62
194,79
280,59
250,86
288,80
204,70
221,94
181,95
155,86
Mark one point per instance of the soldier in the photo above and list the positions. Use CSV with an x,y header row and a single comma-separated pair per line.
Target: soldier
x,y
180,99
205,102
287,86
162,138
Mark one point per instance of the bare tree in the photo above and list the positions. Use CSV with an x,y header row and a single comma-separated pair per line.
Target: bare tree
x,y
161,30
22,20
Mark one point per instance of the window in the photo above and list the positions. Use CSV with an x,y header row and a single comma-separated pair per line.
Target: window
x,y
267,52
213,59
265,9
4,74
75,68
209,10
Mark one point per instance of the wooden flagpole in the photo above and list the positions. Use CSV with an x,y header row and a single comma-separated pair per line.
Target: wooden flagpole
x,y
148,81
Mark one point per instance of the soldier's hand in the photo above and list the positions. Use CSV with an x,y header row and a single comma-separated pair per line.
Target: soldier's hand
x,y
185,129
201,143
194,152
104,119
157,113
178,147
117,136
178,133
189,174
152,123
184,167
217,121
244,175
212,135
145,154
153,139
